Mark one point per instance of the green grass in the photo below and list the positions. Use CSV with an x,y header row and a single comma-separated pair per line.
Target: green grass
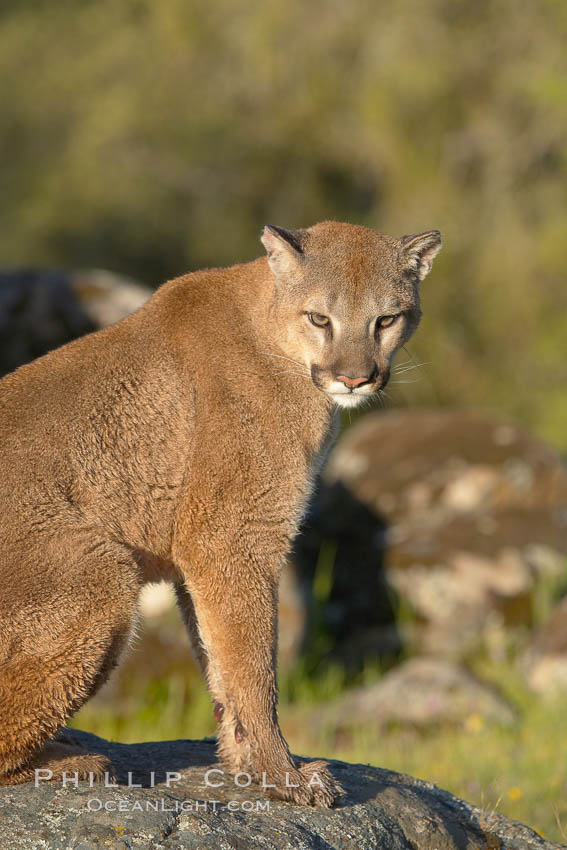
x,y
519,771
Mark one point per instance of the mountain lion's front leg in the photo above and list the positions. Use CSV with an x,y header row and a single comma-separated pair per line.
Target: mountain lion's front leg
x,y
232,579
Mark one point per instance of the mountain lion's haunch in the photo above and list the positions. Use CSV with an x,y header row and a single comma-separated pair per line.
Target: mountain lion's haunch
x,y
181,443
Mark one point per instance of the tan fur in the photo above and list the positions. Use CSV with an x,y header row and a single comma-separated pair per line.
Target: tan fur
x,y
181,443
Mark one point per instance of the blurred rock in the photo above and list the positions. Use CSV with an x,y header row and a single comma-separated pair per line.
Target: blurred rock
x,y
446,518
340,550
546,656
107,297
38,312
423,692
41,309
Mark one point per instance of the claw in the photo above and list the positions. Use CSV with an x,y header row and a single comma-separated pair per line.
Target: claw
x,y
218,711
239,733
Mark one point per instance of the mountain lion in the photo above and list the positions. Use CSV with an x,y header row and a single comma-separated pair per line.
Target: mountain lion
x,y
181,444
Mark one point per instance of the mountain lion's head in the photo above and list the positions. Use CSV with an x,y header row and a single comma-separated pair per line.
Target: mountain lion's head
x,y
346,299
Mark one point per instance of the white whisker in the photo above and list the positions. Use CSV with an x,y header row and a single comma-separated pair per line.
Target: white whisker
x,y
411,359
405,363
399,370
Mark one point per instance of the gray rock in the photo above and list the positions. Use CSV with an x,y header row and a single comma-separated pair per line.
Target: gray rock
x,y
38,311
108,297
422,692
41,309
381,809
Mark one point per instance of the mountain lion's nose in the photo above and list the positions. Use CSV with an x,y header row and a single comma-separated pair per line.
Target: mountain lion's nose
x,y
352,383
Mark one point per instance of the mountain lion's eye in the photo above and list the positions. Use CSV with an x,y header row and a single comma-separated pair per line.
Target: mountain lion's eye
x,y
385,321
318,320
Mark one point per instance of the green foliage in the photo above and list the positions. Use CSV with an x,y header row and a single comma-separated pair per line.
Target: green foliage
x,y
152,138
517,771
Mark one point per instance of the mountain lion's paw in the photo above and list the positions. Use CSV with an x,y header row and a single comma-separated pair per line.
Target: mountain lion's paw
x,y
325,788
311,785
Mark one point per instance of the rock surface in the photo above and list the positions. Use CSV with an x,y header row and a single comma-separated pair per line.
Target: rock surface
x,y
381,809
423,692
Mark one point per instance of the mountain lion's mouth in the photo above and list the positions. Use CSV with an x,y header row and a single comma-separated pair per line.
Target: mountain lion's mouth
x,y
349,399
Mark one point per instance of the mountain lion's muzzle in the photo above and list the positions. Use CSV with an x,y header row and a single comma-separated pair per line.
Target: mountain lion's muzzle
x,y
349,386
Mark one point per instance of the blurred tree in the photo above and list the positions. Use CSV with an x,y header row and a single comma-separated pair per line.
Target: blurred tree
x,y
152,138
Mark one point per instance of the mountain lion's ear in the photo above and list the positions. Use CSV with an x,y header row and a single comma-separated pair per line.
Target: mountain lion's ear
x,y
419,250
283,247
